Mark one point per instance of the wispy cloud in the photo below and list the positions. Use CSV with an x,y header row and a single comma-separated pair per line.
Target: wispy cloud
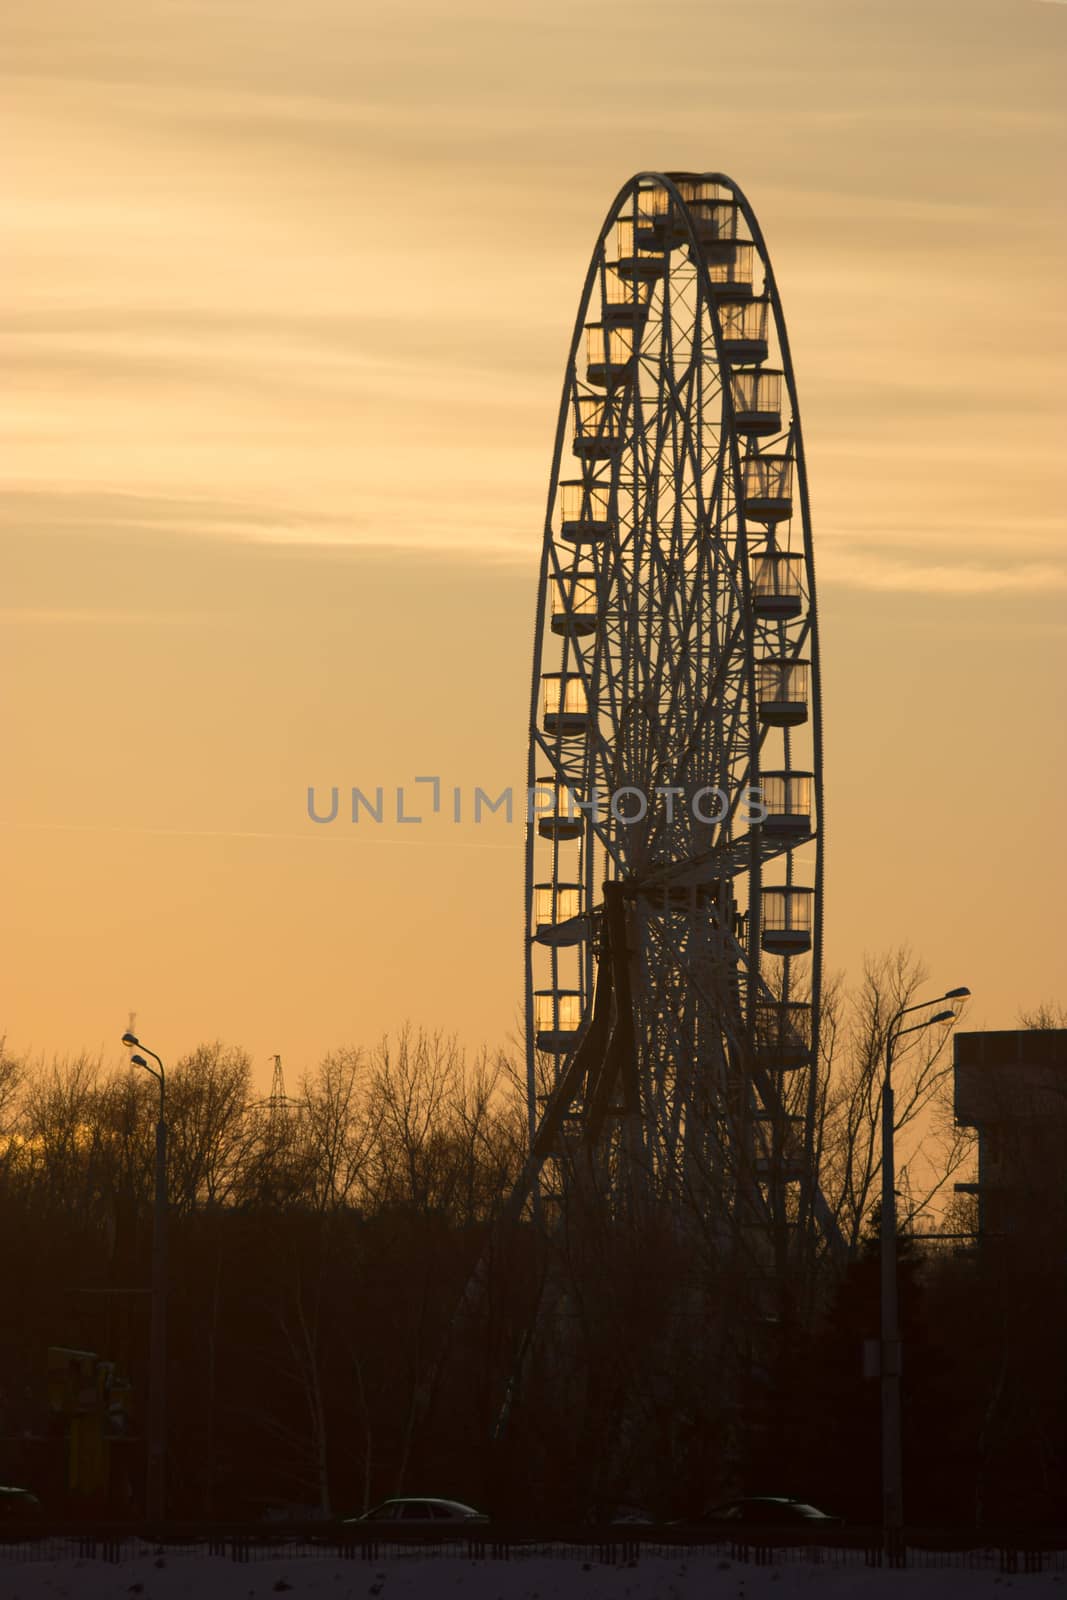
x,y
87,615
862,570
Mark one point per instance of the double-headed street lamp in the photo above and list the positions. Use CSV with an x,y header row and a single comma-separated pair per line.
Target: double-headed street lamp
x,y
156,1497
892,1471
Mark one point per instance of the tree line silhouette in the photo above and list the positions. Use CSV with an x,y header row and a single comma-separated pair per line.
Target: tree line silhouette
x,y
347,1322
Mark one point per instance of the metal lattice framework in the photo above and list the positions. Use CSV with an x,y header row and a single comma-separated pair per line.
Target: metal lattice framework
x,y
673,939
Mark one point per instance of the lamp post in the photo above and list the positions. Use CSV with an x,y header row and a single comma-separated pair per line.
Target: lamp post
x,y
156,1497
892,1469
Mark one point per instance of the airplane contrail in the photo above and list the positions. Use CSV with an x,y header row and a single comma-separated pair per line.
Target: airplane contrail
x,y
226,833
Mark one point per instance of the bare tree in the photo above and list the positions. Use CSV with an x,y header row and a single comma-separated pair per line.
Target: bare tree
x,y
930,1148
62,1134
12,1085
207,1096
1047,1015
335,1130
413,1083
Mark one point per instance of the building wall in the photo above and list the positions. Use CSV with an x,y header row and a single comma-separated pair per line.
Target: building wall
x,y
1011,1087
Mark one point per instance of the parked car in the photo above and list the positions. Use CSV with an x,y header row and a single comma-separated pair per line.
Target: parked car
x,y
609,1513
769,1511
631,1516
419,1513
15,1504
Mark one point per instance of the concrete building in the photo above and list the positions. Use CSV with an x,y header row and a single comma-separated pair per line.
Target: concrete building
x,y
1011,1087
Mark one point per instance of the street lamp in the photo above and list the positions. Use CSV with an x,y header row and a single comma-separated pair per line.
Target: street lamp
x,y
156,1498
892,1471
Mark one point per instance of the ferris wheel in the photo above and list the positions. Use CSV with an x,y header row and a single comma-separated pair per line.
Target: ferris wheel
x,y
675,840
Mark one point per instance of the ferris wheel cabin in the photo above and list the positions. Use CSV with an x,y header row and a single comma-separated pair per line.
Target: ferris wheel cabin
x,y
715,225
575,607
783,1034
558,916
566,704
609,354
776,590
787,801
660,223
782,691
743,324
596,427
636,262
560,819
757,399
767,487
732,277
585,511
557,1018
786,920
624,301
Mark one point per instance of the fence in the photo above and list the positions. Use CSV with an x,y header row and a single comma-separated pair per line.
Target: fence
x,y
1008,1552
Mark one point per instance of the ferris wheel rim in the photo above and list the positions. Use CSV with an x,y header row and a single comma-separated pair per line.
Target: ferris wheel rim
x,y
538,751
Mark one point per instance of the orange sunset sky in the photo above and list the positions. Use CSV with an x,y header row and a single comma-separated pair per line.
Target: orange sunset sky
x,y
287,298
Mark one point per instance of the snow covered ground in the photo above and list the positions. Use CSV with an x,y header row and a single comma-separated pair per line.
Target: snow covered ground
x,y
535,1577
